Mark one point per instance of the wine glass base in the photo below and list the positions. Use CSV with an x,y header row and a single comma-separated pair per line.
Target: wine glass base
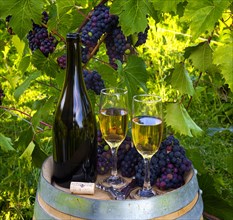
x,y
116,182
142,194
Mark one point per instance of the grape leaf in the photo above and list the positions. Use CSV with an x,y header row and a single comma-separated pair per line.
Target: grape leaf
x,y
18,44
28,151
20,90
204,14
38,155
201,56
66,17
5,143
25,138
22,12
223,57
132,15
181,81
107,73
65,5
214,203
43,111
45,64
134,75
24,63
178,118
166,5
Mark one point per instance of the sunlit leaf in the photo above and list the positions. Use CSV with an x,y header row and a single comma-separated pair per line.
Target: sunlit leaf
x,y
23,12
204,14
223,57
21,89
5,143
166,5
178,118
181,80
134,75
132,15
28,152
201,56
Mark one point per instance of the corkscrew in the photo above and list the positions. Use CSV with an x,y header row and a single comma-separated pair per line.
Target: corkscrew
x,y
121,194
117,195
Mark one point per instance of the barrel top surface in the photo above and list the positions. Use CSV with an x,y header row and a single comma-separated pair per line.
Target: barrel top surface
x,y
100,204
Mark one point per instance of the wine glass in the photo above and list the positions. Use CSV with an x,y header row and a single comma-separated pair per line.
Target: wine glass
x,y
147,129
113,119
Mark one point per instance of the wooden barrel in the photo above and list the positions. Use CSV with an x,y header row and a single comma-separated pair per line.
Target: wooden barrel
x,y
53,202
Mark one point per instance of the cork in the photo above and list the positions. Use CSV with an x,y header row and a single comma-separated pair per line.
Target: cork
x,y
82,188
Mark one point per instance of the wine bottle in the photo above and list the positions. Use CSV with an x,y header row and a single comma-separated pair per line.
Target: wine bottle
x,y
74,128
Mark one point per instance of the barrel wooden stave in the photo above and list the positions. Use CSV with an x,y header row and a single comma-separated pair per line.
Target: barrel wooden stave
x,y
92,208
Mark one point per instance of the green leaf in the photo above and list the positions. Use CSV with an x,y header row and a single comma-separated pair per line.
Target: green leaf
x,y
166,5
43,111
108,74
214,204
45,64
25,138
178,118
195,156
204,14
19,44
5,143
132,15
134,75
23,12
223,57
229,163
28,151
21,89
24,63
65,5
181,80
201,56
38,155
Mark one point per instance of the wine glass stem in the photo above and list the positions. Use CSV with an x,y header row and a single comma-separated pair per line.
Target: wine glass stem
x,y
114,161
146,184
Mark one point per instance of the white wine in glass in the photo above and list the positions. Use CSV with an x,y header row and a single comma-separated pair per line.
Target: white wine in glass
x,y
147,130
113,119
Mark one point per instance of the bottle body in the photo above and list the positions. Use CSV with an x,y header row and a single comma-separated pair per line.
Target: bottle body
x,y
74,129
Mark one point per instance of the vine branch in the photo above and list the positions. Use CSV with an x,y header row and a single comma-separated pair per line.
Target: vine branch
x,y
24,113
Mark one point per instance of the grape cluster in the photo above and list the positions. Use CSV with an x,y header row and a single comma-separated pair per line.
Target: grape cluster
x,y
168,165
104,156
116,45
61,61
123,149
93,81
130,161
142,36
101,21
39,38
2,95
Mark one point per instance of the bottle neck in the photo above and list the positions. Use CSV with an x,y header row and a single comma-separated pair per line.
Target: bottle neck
x,y
74,64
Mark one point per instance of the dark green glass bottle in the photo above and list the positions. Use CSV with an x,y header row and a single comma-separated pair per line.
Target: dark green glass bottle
x,y
74,129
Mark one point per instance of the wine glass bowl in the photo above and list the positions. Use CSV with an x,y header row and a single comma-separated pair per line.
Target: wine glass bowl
x,y
147,130
113,120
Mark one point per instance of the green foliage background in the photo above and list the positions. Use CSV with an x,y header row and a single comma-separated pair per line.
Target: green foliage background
x,y
187,60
